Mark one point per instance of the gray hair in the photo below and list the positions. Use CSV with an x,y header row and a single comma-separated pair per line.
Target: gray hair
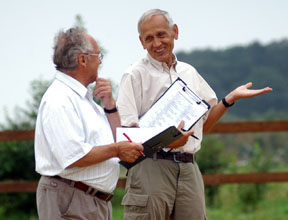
x,y
148,14
67,46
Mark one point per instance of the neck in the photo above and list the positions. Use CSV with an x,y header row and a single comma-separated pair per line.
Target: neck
x,y
78,76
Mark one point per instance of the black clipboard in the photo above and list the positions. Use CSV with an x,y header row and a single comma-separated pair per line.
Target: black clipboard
x,y
191,98
155,144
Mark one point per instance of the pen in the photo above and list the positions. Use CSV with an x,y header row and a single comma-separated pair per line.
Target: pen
x,y
141,152
194,136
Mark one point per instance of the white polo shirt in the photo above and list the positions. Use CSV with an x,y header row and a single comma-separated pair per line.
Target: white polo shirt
x,y
145,81
69,124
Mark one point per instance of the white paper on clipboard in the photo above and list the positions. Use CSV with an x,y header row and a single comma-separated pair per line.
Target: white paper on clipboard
x,y
177,103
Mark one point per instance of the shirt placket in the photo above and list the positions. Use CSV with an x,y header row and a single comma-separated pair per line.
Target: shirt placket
x,y
173,74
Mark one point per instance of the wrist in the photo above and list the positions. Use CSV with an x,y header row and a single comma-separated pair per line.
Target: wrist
x,y
110,110
108,103
226,103
116,150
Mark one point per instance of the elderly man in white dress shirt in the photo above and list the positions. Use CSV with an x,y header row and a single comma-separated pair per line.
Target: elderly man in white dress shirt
x,y
169,185
75,150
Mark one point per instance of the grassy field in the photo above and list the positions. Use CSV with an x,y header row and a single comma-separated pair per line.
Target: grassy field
x,y
274,205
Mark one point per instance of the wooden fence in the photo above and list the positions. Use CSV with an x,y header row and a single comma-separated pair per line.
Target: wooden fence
x,y
209,179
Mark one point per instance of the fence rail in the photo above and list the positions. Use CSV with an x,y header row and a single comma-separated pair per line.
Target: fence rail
x,y
209,179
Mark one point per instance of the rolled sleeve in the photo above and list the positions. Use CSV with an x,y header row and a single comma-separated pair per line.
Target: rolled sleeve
x,y
128,96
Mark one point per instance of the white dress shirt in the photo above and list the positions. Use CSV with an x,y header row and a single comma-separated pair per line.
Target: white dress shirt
x,y
145,81
69,124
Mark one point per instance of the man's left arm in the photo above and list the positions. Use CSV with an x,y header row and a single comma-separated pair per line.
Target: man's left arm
x,y
219,110
103,90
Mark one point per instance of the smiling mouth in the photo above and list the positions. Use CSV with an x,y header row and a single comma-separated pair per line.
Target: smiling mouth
x,y
160,51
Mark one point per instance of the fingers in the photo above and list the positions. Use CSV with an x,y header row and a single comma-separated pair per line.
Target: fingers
x,y
244,91
103,88
129,151
189,133
185,133
139,147
181,125
267,89
248,85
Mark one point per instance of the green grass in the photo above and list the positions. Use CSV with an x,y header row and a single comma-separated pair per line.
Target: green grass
x,y
117,211
274,205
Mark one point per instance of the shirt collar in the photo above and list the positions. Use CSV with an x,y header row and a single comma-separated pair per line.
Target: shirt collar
x,y
72,83
161,65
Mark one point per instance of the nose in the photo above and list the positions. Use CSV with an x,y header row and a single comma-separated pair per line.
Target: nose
x,y
156,42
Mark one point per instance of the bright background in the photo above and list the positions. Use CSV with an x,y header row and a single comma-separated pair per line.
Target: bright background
x,y
28,29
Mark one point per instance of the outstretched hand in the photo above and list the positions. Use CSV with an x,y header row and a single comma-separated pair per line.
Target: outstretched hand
x,y
244,92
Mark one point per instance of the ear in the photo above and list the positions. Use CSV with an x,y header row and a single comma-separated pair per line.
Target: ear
x,y
142,42
82,60
176,31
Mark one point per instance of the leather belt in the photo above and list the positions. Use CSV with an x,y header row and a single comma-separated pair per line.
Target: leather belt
x,y
87,189
177,157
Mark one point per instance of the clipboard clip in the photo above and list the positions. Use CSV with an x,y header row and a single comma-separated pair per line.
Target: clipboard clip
x,y
157,147
184,89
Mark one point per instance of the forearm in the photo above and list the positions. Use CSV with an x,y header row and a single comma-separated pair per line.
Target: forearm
x,y
96,155
114,121
124,150
214,116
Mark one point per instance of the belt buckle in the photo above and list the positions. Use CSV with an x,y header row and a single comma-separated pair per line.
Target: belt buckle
x,y
90,191
174,158
109,197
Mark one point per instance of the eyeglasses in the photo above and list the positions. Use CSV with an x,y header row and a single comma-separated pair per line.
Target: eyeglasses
x,y
99,55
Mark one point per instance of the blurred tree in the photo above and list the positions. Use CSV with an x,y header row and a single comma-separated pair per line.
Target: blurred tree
x,y
251,194
264,65
79,21
17,157
213,159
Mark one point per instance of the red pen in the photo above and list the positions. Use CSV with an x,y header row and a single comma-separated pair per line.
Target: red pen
x,y
141,152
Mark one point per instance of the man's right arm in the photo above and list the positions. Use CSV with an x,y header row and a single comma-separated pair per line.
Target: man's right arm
x,y
125,150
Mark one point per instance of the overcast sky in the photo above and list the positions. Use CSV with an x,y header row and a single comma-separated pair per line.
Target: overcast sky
x,y
28,28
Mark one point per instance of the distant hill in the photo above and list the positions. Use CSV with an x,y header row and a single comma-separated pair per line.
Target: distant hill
x,y
264,65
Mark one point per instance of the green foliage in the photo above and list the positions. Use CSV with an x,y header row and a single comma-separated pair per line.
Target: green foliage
x,y
251,194
25,118
17,163
226,69
212,159
79,21
17,204
17,157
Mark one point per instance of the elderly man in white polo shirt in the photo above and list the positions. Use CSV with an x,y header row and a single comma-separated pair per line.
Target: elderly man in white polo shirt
x,y
74,147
